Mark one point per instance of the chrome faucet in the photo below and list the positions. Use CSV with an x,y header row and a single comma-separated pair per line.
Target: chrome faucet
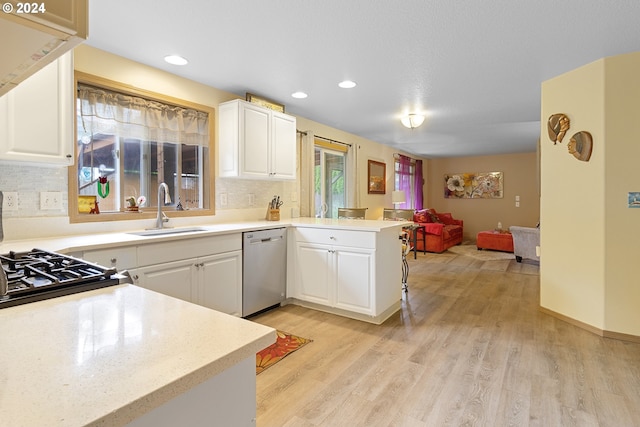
x,y
167,199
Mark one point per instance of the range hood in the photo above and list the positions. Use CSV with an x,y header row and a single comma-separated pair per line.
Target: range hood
x,y
37,39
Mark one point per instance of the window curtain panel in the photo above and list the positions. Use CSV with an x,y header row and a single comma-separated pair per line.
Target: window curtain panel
x,y
417,186
405,179
307,208
113,113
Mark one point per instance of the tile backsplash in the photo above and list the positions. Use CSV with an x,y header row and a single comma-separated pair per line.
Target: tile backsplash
x,y
28,181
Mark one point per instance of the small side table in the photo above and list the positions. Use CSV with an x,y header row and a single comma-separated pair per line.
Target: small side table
x,y
414,232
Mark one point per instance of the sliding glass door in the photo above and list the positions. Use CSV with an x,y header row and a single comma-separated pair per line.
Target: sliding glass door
x,y
330,182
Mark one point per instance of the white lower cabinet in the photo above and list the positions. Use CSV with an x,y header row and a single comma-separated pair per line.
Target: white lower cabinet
x,y
175,279
220,282
355,279
213,281
336,276
209,273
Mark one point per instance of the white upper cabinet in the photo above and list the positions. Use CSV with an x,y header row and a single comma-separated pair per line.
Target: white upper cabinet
x,y
36,118
256,142
39,33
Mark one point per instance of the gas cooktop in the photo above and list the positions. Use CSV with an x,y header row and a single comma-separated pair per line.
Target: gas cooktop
x,y
37,275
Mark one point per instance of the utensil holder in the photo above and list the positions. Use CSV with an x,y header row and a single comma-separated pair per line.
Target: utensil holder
x,y
273,214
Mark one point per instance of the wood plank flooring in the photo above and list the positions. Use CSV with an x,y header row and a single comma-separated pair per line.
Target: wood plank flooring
x,y
468,348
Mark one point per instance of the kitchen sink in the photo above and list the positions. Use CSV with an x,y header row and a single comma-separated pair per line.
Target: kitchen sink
x,y
166,231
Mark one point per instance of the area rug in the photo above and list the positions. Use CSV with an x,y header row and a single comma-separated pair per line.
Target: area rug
x,y
285,345
483,255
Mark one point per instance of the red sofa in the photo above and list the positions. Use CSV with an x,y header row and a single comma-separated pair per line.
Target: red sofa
x,y
442,230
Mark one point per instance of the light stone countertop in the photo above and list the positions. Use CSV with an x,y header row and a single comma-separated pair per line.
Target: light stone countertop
x,y
72,243
105,357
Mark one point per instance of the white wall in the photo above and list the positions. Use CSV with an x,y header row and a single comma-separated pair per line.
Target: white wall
x,y
622,224
589,238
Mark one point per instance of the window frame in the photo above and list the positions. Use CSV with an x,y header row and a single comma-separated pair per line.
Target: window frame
x,y
146,213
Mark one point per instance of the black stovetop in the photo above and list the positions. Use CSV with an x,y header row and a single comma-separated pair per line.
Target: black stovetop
x,y
37,275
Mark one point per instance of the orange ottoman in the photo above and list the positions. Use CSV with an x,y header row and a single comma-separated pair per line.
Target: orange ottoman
x,y
495,240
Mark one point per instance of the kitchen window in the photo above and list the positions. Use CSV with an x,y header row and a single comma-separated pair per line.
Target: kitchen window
x,y
128,142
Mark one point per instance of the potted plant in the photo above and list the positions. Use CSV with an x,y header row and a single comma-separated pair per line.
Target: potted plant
x,y
133,204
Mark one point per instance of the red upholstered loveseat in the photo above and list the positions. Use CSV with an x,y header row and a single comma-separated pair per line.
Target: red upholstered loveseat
x,y
442,230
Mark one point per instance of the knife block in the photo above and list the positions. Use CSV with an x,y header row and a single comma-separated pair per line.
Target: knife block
x,y
273,214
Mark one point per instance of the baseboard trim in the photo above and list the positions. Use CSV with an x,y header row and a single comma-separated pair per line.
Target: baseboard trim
x,y
378,320
590,328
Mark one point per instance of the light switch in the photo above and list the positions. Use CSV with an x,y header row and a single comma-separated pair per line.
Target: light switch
x,y
517,198
50,200
224,200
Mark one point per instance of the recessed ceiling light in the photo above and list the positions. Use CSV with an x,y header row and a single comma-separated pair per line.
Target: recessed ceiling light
x,y
299,95
347,84
176,60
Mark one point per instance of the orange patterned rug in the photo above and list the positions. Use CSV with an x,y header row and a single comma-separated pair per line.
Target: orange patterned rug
x,y
285,345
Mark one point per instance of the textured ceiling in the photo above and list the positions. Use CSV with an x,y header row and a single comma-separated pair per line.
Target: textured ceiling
x,y
474,67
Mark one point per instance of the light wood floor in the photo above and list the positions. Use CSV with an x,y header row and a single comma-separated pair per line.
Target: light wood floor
x,y
468,348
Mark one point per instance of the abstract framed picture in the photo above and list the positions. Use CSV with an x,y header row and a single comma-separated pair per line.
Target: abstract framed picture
x,y
473,185
376,177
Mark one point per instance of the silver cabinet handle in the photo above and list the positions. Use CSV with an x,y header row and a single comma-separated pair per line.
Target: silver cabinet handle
x,y
332,238
136,277
114,261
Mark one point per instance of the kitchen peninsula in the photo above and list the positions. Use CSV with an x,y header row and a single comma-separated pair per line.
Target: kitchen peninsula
x,y
124,355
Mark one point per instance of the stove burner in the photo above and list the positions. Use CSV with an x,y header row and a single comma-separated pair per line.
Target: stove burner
x,y
38,274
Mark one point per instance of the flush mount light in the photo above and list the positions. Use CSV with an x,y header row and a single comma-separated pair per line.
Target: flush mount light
x,y
299,95
412,121
176,60
347,84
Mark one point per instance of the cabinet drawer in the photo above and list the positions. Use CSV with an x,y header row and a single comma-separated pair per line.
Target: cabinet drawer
x,y
157,253
329,236
120,258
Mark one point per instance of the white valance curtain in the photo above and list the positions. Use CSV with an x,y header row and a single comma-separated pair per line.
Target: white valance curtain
x,y
113,113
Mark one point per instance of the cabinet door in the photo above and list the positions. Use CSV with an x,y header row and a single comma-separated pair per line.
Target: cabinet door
x,y
174,279
254,141
314,266
354,276
36,117
283,146
220,282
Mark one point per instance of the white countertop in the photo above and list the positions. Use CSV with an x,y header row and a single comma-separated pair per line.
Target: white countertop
x,y
72,243
105,357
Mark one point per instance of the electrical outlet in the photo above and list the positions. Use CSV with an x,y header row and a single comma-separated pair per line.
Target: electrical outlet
x,y
517,204
224,200
10,201
50,200
252,199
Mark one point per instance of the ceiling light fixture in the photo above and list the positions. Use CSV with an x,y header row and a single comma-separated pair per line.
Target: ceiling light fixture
x,y
412,121
299,95
347,84
176,60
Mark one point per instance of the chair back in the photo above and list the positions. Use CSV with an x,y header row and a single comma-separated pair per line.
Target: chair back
x,y
397,214
351,213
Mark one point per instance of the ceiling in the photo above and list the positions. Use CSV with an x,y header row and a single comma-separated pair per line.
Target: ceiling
x,y
474,68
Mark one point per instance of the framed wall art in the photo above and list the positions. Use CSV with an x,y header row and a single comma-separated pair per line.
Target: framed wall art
x,y
473,185
376,177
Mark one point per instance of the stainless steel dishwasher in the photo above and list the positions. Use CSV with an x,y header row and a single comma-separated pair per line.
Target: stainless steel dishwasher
x,y
264,262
